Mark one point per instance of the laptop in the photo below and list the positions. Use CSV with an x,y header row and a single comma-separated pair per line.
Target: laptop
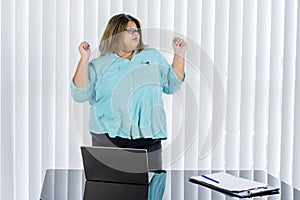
x,y
116,165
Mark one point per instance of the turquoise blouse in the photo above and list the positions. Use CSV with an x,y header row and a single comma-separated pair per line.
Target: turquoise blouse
x,y
126,95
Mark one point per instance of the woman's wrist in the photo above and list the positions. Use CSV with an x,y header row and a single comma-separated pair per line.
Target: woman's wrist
x,y
84,58
180,54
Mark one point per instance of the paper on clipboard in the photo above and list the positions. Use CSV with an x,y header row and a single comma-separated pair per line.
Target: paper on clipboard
x,y
229,182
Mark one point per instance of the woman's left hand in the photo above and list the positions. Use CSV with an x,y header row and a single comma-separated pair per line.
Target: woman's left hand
x,y
179,46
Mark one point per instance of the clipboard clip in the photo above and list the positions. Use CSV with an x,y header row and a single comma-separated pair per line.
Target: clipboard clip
x,y
257,190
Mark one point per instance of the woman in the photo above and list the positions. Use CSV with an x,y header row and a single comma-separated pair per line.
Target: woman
x,y
124,86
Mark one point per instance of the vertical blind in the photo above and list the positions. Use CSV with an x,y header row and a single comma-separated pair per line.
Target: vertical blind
x,y
239,107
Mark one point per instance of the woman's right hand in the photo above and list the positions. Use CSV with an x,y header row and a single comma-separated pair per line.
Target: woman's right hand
x,y
84,50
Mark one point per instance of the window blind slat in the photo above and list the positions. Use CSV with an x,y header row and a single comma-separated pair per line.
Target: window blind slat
x,y
262,83
35,97
116,7
1,97
206,82
7,99
130,7
90,23
103,17
21,106
233,85
287,129
220,68
62,85
168,14
248,83
296,146
154,15
153,31
48,85
275,90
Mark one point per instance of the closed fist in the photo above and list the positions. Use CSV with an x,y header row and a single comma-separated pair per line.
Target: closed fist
x,y
84,49
179,46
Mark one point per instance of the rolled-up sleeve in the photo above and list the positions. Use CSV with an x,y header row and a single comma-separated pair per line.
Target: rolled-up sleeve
x,y
87,93
169,79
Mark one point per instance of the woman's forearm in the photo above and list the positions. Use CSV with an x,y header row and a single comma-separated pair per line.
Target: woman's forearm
x,y
81,77
179,65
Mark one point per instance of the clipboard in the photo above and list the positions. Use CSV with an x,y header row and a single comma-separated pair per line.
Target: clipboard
x,y
234,186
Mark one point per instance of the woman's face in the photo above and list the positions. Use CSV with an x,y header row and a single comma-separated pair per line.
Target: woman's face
x,y
131,37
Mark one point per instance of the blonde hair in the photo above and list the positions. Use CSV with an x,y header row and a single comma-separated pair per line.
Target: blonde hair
x,y
112,35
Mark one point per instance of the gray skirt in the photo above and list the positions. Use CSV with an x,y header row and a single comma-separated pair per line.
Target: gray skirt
x,y
153,147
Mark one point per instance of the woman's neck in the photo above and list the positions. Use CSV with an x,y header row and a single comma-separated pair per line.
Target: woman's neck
x,y
126,55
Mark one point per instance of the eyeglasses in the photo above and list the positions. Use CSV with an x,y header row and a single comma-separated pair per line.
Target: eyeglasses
x,y
132,30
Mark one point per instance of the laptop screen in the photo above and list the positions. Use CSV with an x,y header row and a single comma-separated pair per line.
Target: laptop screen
x,y
111,164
